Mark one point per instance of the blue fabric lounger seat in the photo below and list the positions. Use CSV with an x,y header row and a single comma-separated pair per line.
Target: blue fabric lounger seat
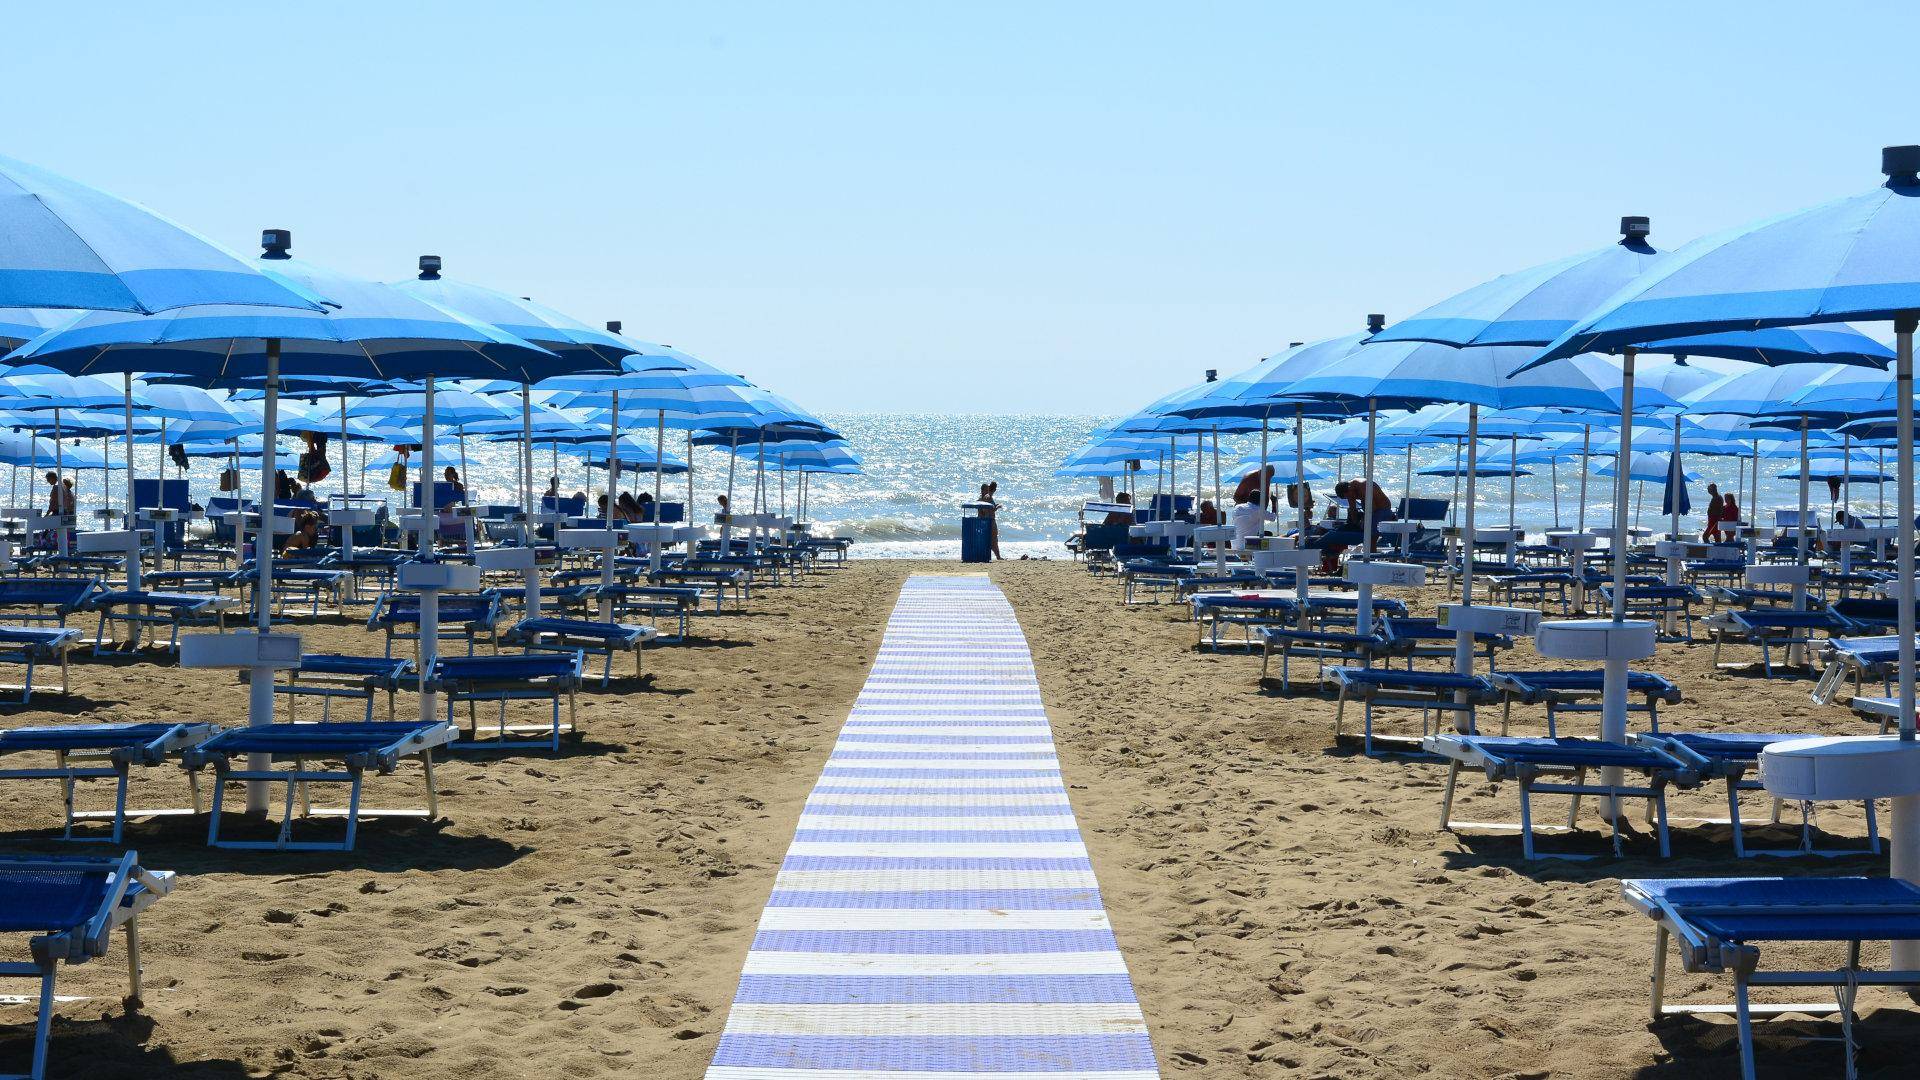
x,y
173,610
584,636
462,615
1432,692
1559,766
99,752
1731,757
1579,691
1345,646
1771,628
50,599
1211,610
1659,602
34,645
69,907
1425,639
1860,658
717,581
334,675
1534,586
309,584
548,676
358,746
1719,924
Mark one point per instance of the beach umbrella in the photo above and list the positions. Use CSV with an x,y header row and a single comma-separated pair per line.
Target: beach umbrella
x,y
375,333
1645,466
66,245
1852,259
1534,307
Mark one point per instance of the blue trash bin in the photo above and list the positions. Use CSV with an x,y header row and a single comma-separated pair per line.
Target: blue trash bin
x,y
976,532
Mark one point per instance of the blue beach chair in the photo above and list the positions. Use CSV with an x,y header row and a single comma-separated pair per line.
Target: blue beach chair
x,y
583,636
1772,628
1731,758
174,610
100,752
332,675
1579,692
1719,925
358,747
49,599
70,907
531,677
468,616
1559,767
36,645
1434,693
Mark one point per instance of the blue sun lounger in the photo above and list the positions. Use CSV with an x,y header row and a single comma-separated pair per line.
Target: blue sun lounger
x,y
1658,603
1772,628
1347,647
530,677
71,906
357,746
1731,757
1559,767
716,579
99,752
332,675
1579,691
1719,924
1536,587
1247,610
1861,658
1412,639
1432,692
583,636
50,599
36,645
471,616
173,610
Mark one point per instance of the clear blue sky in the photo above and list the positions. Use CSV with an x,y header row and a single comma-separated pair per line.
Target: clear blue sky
x,y
1020,207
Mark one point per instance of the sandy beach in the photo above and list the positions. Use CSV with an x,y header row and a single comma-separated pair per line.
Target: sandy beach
x,y
1285,907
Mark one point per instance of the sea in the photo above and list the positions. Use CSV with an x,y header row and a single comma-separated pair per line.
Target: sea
x,y
919,468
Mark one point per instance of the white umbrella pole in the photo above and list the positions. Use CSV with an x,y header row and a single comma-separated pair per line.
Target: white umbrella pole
x,y
1453,508
1905,836
1586,446
1553,485
429,528
1753,504
1303,573
659,471
1463,639
606,519
1673,519
688,516
726,527
260,680
1366,510
526,460
126,386
1263,463
59,485
1613,699
1513,483
1218,500
346,454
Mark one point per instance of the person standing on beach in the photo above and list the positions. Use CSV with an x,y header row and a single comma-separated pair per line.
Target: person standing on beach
x,y
992,512
1249,519
1716,510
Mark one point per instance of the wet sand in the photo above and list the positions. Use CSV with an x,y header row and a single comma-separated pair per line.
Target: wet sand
x,y
1285,907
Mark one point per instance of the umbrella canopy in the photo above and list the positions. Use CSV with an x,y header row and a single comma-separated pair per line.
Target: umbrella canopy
x,y
517,315
66,245
1648,467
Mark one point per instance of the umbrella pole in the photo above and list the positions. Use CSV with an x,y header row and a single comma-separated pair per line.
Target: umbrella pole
x,y
1586,447
1366,510
1613,699
1905,835
1302,574
1797,654
1453,507
1513,484
659,471
260,680
1463,638
1753,505
726,527
429,527
346,454
1219,510
1674,480
1263,464
606,519
126,517
1553,485
688,515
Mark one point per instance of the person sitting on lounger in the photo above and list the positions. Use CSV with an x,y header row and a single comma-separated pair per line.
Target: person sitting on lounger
x,y
1252,484
643,507
453,479
1249,519
1209,513
1119,517
626,507
306,532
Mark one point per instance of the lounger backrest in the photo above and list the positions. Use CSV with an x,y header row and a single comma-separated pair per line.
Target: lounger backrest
x,y
60,592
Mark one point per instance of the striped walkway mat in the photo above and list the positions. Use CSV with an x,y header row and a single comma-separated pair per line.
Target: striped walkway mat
x,y
936,917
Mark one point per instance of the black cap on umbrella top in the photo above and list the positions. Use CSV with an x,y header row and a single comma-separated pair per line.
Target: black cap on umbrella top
x,y
1376,323
429,268
1213,374
277,242
1634,229
613,326
1901,164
